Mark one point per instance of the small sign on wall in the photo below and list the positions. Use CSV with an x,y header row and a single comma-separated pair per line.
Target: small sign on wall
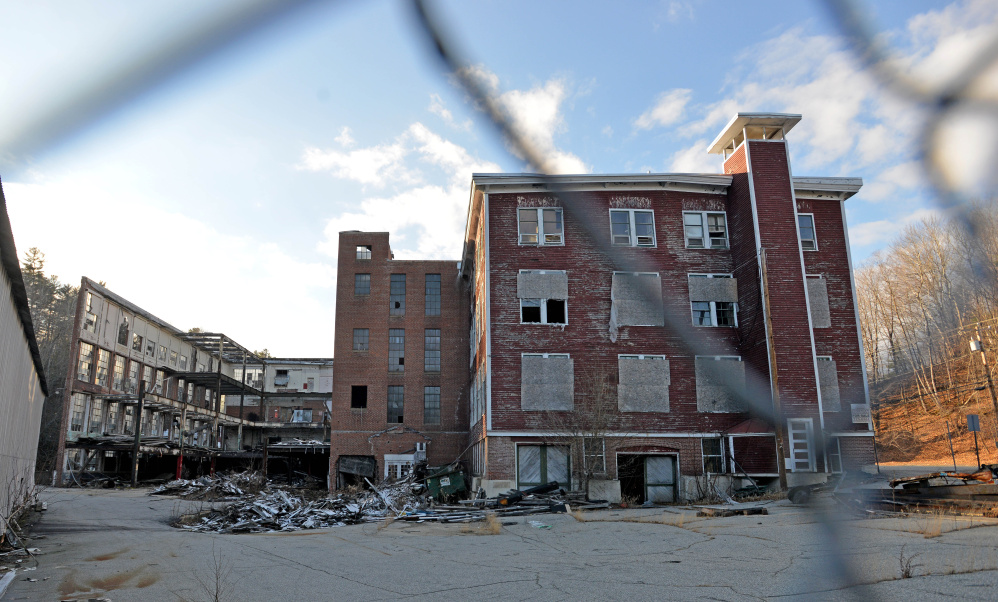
x,y
973,423
860,413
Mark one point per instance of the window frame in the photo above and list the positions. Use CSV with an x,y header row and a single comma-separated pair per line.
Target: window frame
x,y
428,351
540,232
395,283
137,342
396,407
366,332
396,350
85,357
632,228
713,309
543,306
357,279
720,456
814,232
428,410
432,299
705,234
356,391
363,252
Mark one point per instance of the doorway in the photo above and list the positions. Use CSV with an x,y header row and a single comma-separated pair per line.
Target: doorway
x,y
647,477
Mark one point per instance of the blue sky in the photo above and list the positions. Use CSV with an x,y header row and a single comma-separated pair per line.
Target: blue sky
x,y
214,198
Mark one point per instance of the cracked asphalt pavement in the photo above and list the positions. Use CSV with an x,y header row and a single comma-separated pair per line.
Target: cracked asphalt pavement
x,y
118,545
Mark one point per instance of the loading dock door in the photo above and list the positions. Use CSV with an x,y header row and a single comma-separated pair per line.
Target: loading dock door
x,y
660,479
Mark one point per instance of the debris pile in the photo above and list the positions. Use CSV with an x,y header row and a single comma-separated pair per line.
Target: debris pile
x,y
216,487
279,511
972,494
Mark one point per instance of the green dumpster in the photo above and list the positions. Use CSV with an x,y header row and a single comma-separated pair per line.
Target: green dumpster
x,y
445,481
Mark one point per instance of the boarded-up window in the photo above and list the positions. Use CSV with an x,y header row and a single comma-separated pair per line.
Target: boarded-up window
x,y
636,300
817,294
828,382
717,380
541,284
713,287
546,382
644,383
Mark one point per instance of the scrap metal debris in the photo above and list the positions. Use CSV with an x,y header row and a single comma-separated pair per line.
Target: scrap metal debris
x,y
961,493
214,487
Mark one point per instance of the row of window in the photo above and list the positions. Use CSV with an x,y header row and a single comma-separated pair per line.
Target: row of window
x,y
94,366
95,415
138,343
396,300
396,347
396,403
636,228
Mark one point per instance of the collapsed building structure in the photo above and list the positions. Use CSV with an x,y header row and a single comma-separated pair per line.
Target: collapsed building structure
x,y
194,395
575,369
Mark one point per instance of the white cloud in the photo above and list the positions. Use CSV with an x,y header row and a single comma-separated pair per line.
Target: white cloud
x,y
437,108
669,109
345,139
374,166
426,221
178,268
694,159
607,131
679,10
880,232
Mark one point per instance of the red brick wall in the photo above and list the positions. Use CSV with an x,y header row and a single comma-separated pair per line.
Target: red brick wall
x,y
351,428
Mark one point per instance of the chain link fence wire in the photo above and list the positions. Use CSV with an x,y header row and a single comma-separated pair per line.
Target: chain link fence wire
x,y
115,89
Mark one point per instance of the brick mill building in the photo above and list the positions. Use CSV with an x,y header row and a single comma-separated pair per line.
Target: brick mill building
x,y
578,370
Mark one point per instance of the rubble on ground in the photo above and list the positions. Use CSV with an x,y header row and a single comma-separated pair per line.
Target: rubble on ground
x,y
214,487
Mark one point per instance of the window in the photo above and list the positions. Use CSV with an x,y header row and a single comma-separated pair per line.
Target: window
x,y
159,382
147,378
103,365
96,415
362,284
77,413
112,417
162,353
118,381
396,304
85,367
123,331
358,397
720,383
713,313
805,225
632,228
594,454
363,251
281,378
834,453
705,230
395,404
90,322
360,339
541,226
431,405
137,343
433,294
643,383
542,311
547,382
396,349
801,435
713,455
431,350
132,386
151,349
540,465
173,358
183,362
129,420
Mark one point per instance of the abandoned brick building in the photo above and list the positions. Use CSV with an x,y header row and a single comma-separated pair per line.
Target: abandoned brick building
x,y
556,324
196,402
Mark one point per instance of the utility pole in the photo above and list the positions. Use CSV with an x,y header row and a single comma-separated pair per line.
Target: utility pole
x,y
138,434
781,463
987,370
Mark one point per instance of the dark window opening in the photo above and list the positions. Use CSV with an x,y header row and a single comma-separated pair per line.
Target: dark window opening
x,y
530,310
358,396
556,311
395,404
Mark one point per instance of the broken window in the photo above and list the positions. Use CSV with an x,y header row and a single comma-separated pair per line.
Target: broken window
x,y
801,433
118,380
128,421
123,331
632,228
362,284
805,225
173,358
431,350
543,311
281,378
96,415
158,389
151,349
547,382
363,251
431,405
132,384
147,378
90,322
644,383
183,362
137,343
712,450
78,412
433,294
541,226
828,384
85,366
718,379
713,299
542,464
162,353
301,416
705,230
817,296
103,366
396,303
395,404
358,397
396,350
112,418
360,339
594,454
